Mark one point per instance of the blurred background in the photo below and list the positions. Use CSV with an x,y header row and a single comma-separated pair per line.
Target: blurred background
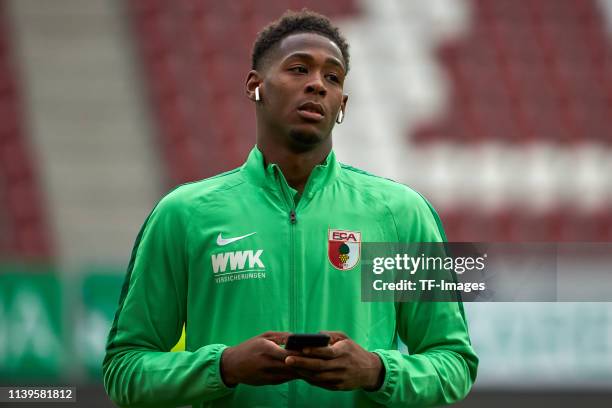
x,y
498,111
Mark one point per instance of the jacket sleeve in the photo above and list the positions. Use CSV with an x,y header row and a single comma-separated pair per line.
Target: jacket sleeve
x,y
139,369
441,365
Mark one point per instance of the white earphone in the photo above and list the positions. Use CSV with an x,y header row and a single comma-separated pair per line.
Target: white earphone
x,y
340,117
257,98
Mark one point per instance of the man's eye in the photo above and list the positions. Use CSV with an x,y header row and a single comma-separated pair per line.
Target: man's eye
x,y
300,69
333,77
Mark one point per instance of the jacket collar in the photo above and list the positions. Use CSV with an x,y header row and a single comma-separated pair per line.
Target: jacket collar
x,y
270,175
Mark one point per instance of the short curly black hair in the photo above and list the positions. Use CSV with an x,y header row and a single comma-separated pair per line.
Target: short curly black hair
x,y
292,22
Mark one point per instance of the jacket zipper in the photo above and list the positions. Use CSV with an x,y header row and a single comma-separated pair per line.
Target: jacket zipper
x,y
293,305
292,292
292,271
292,278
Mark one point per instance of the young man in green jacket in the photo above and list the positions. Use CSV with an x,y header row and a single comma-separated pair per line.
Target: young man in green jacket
x,y
245,258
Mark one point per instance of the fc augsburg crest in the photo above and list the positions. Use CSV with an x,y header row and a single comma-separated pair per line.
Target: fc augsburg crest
x,y
343,248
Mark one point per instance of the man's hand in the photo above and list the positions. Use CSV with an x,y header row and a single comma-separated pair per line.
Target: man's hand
x,y
257,361
343,365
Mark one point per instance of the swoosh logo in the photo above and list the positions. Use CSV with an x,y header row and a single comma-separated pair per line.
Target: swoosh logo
x,y
226,241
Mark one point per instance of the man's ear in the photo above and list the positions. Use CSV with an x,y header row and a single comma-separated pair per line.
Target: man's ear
x,y
253,81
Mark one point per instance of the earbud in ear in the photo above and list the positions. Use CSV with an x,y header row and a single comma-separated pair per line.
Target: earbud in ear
x,y
257,98
340,117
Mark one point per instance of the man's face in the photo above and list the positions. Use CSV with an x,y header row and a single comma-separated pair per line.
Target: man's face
x,y
302,88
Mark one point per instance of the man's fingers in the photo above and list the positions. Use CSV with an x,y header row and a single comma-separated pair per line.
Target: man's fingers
x,y
340,346
277,367
327,379
276,352
277,337
312,364
334,336
277,374
326,353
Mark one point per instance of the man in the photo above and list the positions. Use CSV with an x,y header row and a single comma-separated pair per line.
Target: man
x,y
245,258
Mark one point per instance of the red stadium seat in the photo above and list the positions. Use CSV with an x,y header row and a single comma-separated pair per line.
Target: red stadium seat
x,y
550,52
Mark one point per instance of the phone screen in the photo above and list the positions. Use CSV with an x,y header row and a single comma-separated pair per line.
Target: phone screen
x,y
299,341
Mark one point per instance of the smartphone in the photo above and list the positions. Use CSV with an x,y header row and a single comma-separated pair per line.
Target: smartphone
x,y
297,342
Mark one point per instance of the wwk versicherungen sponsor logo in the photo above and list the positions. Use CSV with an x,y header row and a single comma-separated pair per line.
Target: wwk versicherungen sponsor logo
x,y
238,265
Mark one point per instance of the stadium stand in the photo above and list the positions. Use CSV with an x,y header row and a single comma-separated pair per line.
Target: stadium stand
x,y
528,72
87,124
23,226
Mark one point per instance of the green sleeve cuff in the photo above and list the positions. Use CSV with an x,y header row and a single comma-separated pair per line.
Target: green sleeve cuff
x,y
216,384
385,392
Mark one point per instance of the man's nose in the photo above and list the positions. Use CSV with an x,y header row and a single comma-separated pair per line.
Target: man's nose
x,y
316,86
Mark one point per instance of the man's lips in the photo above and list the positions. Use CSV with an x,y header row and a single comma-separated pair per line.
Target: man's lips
x,y
311,111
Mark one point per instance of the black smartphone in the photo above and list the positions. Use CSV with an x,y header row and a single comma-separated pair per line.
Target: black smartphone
x,y
297,342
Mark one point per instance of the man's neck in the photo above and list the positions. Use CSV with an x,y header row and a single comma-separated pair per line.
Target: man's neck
x,y
296,166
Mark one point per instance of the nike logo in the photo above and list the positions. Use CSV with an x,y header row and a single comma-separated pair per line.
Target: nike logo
x,y
226,241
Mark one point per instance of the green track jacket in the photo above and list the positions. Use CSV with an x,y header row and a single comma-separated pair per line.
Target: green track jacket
x,y
242,253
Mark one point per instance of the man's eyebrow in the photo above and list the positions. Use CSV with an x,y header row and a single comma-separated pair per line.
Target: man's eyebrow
x,y
306,56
